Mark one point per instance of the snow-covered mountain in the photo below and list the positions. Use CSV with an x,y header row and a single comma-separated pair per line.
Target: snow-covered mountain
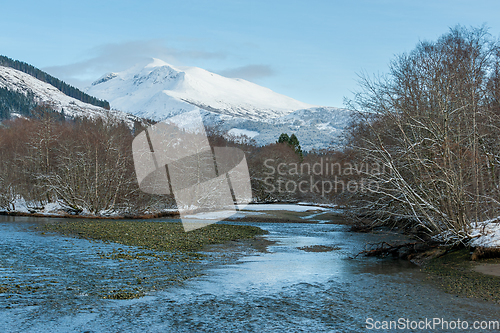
x,y
159,91
18,81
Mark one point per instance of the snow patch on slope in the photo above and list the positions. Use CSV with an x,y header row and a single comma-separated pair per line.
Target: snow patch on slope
x,y
486,233
242,132
316,128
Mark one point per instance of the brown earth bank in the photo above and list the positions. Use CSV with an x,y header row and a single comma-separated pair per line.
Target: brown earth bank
x,y
456,273
458,270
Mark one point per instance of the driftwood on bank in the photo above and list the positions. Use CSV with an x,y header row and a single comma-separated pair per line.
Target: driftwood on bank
x,y
384,249
416,252
485,253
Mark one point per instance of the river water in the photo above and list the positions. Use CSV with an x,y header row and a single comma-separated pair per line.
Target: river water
x,y
284,289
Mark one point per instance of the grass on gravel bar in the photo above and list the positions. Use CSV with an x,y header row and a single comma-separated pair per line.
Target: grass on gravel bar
x,y
157,236
454,274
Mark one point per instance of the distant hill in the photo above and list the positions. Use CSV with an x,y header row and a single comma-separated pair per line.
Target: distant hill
x,y
22,94
47,78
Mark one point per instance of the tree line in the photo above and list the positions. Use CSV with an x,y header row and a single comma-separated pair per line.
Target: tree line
x,y
433,124
87,167
82,164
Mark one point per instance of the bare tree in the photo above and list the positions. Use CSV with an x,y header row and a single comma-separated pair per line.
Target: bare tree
x,y
430,125
92,168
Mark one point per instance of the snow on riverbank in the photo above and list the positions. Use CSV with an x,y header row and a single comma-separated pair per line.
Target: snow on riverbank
x,y
256,210
287,207
243,210
486,233
20,205
220,215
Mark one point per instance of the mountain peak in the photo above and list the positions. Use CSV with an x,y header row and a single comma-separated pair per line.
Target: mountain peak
x,y
158,63
160,90
104,78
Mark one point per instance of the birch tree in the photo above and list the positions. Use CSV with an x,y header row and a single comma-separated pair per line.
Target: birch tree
x,y
92,169
431,124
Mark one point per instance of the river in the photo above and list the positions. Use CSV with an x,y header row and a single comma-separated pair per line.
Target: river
x,y
237,289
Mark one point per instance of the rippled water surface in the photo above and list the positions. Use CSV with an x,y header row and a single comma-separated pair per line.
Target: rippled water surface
x,y
60,281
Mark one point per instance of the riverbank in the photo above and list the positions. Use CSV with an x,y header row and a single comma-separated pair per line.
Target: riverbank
x,y
272,212
167,214
472,272
70,284
109,259
457,274
451,269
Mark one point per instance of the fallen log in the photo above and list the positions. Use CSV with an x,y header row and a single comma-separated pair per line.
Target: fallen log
x,y
402,251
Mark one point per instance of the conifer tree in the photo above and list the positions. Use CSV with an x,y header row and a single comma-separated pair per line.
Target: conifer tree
x,y
293,142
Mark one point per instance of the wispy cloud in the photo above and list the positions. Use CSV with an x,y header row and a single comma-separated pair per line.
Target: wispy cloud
x,y
115,57
250,72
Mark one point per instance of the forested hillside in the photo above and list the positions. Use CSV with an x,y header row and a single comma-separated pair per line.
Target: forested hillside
x,y
12,101
62,86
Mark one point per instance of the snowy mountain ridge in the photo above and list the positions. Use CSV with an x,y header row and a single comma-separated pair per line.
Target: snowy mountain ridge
x,y
158,91
160,86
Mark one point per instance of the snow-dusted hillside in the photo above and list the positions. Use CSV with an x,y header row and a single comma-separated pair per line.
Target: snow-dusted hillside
x,y
316,128
45,93
159,91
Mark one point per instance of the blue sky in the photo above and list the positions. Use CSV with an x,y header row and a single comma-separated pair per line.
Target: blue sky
x,y
309,50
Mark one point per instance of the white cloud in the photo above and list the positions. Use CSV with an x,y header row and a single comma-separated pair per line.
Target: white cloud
x,y
115,57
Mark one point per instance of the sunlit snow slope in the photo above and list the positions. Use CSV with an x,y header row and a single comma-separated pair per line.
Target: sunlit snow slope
x,y
159,90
